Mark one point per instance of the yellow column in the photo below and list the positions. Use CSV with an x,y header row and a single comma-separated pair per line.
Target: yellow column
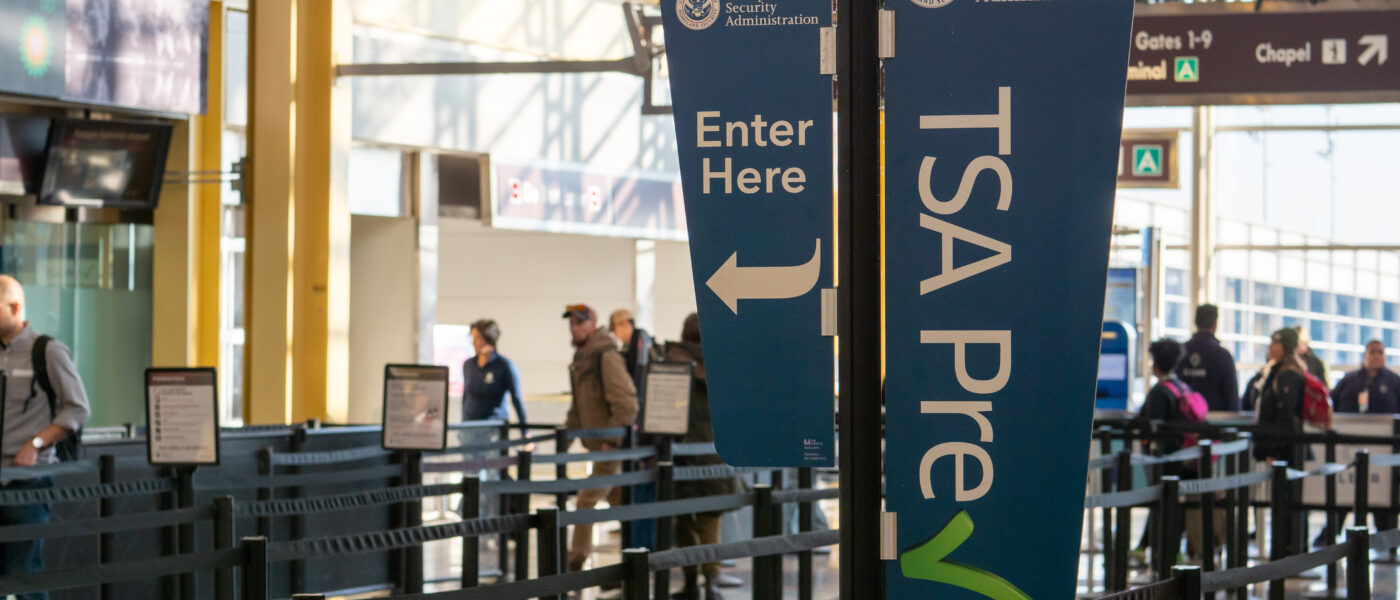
x,y
185,290
298,249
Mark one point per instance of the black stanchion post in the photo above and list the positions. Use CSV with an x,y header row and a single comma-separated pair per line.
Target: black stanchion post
x,y
1205,469
804,524
184,478
1168,534
1333,522
1118,565
763,526
223,540
1358,562
522,537
862,573
170,536
561,470
629,440
129,431
1232,497
1240,557
264,493
107,473
255,568
1188,582
1362,503
665,530
471,543
635,585
505,504
413,556
1105,435
298,521
398,518
1279,521
547,538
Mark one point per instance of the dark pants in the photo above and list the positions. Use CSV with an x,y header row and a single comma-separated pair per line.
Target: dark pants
x,y
26,556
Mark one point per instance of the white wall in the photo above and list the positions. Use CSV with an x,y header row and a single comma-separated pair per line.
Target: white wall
x,y
524,280
383,307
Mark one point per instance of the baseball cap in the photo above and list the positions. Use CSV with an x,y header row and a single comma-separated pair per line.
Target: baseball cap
x,y
580,312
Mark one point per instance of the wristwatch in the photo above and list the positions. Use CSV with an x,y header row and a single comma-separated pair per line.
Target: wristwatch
x,y
37,443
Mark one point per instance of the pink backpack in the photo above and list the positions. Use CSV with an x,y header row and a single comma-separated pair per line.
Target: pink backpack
x,y
1192,404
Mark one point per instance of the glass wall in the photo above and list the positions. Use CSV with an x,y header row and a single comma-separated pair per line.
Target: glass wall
x,y
89,286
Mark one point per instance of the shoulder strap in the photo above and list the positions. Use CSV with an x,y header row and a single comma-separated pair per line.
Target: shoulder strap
x,y
40,360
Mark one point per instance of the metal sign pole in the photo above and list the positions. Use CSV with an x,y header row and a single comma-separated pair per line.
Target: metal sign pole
x,y
858,277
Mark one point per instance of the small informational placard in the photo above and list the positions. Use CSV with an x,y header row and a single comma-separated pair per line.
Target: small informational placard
x,y
415,407
668,398
182,417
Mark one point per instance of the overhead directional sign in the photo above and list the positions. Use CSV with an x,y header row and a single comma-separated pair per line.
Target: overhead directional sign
x,y
753,120
1226,53
1147,159
1002,127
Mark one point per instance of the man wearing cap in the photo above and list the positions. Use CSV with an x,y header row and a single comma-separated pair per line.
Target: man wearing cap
x,y
1209,368
604,396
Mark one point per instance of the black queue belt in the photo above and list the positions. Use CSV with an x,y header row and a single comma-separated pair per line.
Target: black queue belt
x,y
601,456
85,492
1219,484
216,482
787,496
339,502
329,457
394,539
90,575
595,434
77,467
563,486
1129,498
114,524
489,446
764,546
693,449
539,587
1271,571
707,472
1324,469
479,464
655,510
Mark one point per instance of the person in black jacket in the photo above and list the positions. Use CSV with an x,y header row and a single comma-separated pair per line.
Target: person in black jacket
x,y
1209,368
1280,412
1163,406
1370,389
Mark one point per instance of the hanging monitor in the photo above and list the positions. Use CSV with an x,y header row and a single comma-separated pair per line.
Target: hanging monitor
x,y
23,140
110,164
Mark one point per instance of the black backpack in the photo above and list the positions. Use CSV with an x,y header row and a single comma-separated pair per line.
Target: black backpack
x,y
69,448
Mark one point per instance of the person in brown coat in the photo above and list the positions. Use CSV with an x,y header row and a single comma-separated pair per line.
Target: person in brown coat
x,y
700,528
603,397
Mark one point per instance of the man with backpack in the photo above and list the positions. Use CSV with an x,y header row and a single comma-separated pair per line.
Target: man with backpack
x,y
1172,401
45,407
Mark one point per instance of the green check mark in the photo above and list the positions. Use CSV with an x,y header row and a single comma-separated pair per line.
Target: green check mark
x,y
926,561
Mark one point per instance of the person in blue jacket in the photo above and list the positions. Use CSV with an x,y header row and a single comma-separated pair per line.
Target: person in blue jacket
x,y
1370,389
1209,368
488,377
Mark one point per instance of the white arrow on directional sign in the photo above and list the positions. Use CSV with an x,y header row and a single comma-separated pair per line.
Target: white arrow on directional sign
x,y
1377,47
733,283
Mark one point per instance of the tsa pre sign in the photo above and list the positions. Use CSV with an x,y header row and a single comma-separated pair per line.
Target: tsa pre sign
x,y
753,125
1002,128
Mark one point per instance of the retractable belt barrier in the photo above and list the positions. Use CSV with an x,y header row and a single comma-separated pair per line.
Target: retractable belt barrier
x,y
339,502
1145,495
77,467
475,464
122,571
764,546
595,434
393,539
560,486
600,456
329,457
693,449
1272,571
119,523
85,492
653,510
222,482
489,446
1219,484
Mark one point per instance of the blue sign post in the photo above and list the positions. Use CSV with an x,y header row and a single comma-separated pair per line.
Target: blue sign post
x,y
753,116
1002,127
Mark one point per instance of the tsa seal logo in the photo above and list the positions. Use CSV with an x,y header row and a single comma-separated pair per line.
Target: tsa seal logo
x,y
697,14
932,3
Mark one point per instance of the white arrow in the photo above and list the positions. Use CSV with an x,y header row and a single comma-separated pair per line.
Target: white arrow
x,y
1377,47
733,282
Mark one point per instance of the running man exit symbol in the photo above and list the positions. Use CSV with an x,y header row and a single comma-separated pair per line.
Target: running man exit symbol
x,y
1147,160
1334,51
1188,69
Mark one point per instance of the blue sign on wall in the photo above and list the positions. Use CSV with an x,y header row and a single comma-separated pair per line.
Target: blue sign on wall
x,y
1002,127
754,127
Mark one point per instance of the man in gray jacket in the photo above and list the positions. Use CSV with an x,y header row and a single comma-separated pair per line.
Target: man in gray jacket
x,y
32,424
603,396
